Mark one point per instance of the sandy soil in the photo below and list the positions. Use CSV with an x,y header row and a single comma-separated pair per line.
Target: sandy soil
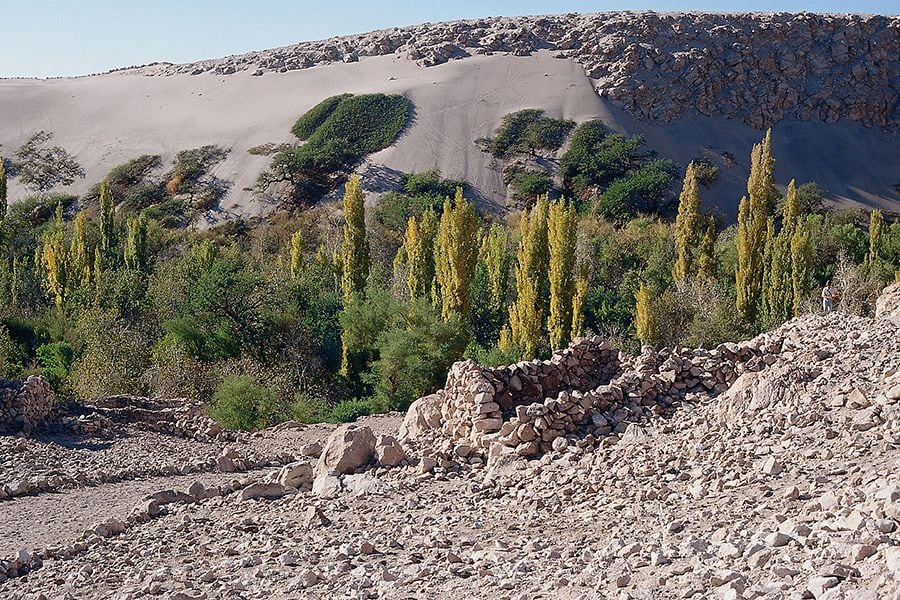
x,y
108,119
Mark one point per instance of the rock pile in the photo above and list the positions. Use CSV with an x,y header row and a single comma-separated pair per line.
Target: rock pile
x,y
759,68
172,416
25,405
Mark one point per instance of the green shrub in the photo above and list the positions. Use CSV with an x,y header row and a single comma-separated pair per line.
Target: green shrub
x,y
12,356
527,131
127,175
529,184
646,190
309,410
707,172
56,360
314,117
348,411
431,184
241,403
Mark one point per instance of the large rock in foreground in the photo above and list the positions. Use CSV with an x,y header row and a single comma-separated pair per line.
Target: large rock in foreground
x,y
347,449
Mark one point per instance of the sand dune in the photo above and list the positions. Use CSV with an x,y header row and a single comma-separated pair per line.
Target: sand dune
x,y
108,119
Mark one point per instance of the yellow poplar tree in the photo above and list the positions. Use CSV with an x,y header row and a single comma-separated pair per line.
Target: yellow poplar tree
x,y
526,315
876,236
581,289
562,235
456,255
107,217
753,214
707,261
80,256
495,253
777,298
136,244
418,248
687,226
645,322
296,253
54,259
801,265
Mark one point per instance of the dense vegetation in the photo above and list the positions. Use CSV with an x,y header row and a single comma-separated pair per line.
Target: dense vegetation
x,y
527,131
326,315
338,132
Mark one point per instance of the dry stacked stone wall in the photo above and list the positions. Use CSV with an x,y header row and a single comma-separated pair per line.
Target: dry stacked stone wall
x,y
759,68
172,416
24,405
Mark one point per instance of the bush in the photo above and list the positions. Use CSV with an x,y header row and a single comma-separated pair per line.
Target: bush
x,y
529,184
349,411
241,403
430,184
56,360
12,356
127,175
190,168
314,117
309,410
707,173
112,357
527,131
645,190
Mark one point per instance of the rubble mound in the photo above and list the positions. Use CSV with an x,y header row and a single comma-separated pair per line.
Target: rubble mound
x,y
24,405
759,68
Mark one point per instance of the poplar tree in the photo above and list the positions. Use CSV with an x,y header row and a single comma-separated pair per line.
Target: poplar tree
x,y
790,215
562,235
456,255
645,323
801,265
54,259
581,289
876,236
526,315
355,247
107,218
495,254
753,214
687,226
80,255
296,253
136,244
778,293
418,248
707,262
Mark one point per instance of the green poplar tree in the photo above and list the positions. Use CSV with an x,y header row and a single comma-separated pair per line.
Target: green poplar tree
x,y
645,323
707,261
79,253
296,253
107,218
136,244
526,315
418,248
354,254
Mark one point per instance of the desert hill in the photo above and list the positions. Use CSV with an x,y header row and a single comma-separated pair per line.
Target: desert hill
x,y
693,84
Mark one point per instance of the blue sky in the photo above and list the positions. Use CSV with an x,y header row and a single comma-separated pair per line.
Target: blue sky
x,y
45,38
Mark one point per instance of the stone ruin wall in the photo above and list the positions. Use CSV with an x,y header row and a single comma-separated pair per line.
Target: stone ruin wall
x,y
759,68
24,405
580,395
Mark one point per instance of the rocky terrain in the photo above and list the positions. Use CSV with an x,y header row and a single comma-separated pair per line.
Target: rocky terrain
x,y
759,68
764,469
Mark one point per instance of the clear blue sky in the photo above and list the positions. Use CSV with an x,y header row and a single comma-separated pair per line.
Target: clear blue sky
x,y
46,38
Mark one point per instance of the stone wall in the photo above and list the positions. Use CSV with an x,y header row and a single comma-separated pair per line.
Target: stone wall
x,y
759,68
24,405
173,416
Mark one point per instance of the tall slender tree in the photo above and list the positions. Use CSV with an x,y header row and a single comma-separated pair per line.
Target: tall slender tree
x,y
526,315
136,244
354,253
495,254
876,236
456,255
418,246
753,214
707,261
296,253
645,322
80,254
688,225
2,196
581,289
107,218
562,236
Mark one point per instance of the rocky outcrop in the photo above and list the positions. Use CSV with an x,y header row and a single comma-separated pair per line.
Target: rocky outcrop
x,y
759,68
888,304
25,405
347,449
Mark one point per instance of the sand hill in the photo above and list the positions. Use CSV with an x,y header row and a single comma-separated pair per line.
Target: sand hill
x,y
693,85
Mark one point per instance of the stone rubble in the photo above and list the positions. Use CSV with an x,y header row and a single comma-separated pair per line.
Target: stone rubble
x,y
761,470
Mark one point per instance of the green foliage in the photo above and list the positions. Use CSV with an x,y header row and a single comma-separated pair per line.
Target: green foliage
x,y
354,127
595,159
111,357
706,172
348,411
56,360
12,355
645,190
312,119
529,183
241,403
123,178
309,410
430,184
527,131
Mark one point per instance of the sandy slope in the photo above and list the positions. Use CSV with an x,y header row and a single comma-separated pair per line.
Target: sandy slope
x,y
105,120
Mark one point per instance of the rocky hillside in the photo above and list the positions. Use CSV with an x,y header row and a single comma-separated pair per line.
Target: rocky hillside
x,y
758,68
764,469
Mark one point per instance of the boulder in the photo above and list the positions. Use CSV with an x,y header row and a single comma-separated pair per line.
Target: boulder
x,y
296,474
423,415
267,491
389,452
887,306
348,448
